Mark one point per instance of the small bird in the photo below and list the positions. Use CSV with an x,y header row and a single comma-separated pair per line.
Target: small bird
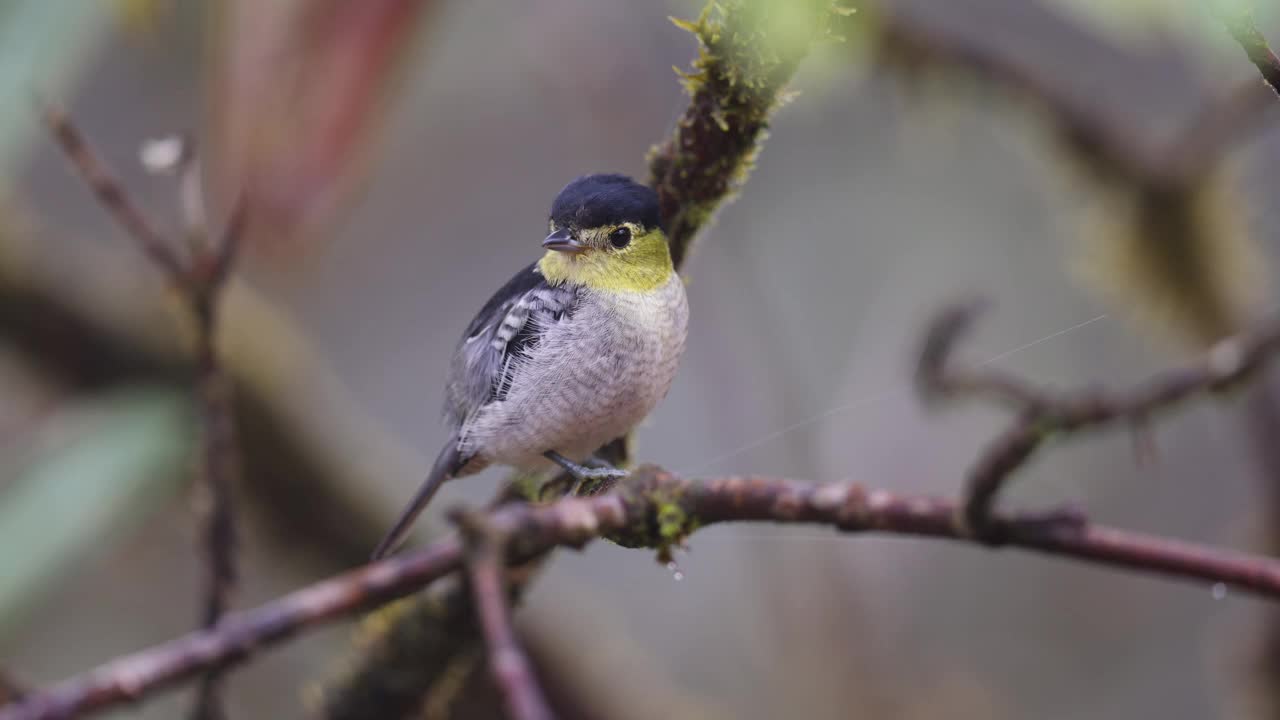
x,y
573,352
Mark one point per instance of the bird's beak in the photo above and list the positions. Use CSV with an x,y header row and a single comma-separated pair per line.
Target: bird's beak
x,y
563,241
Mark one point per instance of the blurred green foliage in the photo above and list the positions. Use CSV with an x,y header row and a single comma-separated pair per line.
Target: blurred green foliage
x,y
106,466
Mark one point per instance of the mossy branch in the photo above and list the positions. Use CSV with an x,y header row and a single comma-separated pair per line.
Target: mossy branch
x,y
653,508
738,79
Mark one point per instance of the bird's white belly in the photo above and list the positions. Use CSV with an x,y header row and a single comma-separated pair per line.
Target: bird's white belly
x,y
591,378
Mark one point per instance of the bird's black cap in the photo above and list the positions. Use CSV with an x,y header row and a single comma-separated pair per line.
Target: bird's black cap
x,y
597,200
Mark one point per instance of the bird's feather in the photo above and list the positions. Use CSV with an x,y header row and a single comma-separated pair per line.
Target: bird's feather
x,y
447,463
506,328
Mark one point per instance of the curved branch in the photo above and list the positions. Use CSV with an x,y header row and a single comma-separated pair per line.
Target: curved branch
x,y
200,278
738,79
909,45
1043,413
655,509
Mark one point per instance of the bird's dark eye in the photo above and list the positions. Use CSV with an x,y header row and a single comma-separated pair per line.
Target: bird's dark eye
x,y
620,238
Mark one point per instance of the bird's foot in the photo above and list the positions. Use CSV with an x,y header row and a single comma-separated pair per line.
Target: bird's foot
x,y
591,473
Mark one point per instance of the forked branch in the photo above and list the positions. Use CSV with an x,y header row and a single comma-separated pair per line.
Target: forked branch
x,y
652,509
199,277
1043,413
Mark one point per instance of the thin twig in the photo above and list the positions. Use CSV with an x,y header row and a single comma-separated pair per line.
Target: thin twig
x,y
228,248
1043,412
910,45
653,508
220,464
200,279
111,194
507,661
1245,31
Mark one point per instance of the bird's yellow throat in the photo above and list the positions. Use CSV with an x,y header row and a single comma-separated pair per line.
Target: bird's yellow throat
x,y
643,266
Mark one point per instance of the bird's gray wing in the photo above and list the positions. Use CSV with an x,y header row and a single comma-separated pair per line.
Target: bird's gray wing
x,y
508,326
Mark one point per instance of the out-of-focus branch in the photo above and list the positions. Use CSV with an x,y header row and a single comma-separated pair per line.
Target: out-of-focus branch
x,y
1170,246
219,452
909,45
1245,31
200,280
305,472
652,508
112,195
1044,413
737,81
512,673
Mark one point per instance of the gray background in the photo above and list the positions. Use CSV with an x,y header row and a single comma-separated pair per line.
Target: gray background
x,y
869,208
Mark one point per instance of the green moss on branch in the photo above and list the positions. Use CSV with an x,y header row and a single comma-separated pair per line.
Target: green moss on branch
x,y
749,50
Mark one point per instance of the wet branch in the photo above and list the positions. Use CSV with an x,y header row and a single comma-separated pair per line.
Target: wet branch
x,y
654,509
199,276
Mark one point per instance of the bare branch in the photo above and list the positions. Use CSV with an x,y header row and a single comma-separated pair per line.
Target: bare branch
x,y
229,244
219,470
653,508
910,45
507,660
220,452
1044,412
200,279
111,195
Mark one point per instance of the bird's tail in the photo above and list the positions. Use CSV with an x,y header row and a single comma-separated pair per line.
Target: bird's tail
x,y
445,466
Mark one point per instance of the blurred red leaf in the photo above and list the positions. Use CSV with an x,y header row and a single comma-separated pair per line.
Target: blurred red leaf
x,y
298,95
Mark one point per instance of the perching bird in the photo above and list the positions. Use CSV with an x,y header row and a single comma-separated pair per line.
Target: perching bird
x,y
573,352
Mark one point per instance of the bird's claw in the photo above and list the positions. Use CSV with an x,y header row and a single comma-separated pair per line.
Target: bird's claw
x,y
591,474
592,477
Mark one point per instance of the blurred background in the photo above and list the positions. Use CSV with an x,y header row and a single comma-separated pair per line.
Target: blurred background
x,y
408,153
